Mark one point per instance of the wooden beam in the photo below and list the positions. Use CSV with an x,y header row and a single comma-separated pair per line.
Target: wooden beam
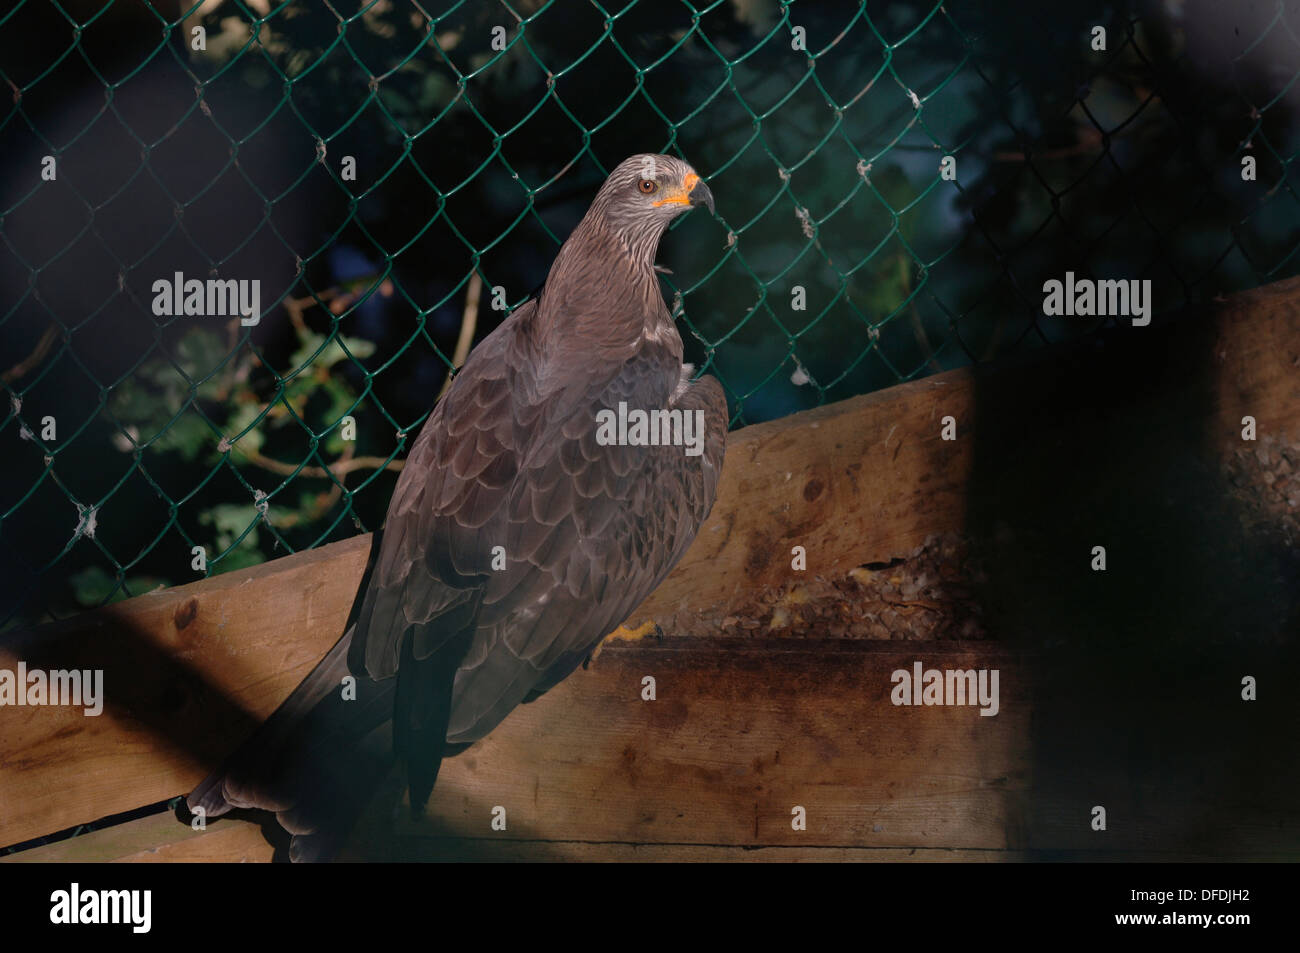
x,y
739,735
156,840
160,838
693,766
189,672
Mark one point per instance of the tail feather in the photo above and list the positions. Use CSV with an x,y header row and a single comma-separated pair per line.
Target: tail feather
x,y
422,710
320,757
315,761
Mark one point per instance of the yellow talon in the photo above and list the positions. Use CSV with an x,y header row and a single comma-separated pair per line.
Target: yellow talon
x,y
624,634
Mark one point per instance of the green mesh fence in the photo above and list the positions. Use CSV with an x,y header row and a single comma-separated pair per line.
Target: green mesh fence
x,y
894,184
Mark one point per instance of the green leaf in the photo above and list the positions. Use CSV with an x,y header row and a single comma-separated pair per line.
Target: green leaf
x,y
93,585
189,436
228,521
242,418
332,352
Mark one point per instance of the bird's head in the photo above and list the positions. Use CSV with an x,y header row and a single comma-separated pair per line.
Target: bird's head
x,y
645,193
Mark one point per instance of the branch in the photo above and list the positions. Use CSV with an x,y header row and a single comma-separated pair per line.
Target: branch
x,y
468,323
336,469
42,348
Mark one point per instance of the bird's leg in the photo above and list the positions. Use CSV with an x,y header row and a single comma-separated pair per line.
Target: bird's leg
x,y
626,634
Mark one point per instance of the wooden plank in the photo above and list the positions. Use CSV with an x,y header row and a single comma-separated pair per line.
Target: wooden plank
x,y
187,672
694,766
190,671
157,839
738,736
161,839
740,732
481,850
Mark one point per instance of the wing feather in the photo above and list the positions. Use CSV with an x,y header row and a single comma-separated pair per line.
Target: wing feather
x,y
510,458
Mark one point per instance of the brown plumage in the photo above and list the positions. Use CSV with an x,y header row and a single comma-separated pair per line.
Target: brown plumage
x,y
509,458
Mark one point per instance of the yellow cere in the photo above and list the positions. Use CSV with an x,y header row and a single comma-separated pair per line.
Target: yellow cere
x,y
682,196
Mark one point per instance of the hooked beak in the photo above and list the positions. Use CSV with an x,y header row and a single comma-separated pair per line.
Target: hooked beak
x,y
693,192
700,195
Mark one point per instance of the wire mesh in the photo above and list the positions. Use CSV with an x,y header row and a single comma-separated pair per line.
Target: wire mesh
x,y
394,175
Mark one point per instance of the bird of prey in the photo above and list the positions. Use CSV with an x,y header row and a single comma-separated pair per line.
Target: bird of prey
x,y
516,538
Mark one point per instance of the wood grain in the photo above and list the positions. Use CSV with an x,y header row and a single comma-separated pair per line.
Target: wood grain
x,y
737,736
190,671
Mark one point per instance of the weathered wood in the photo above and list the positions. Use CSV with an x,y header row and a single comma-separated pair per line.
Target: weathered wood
x,y
186,673
743,731
190,671
738,735
159,838
156,840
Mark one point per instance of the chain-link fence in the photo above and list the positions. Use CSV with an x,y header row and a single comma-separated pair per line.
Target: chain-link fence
x,y
894,185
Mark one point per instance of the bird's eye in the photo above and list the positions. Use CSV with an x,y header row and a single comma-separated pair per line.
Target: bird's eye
x,y
647,186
